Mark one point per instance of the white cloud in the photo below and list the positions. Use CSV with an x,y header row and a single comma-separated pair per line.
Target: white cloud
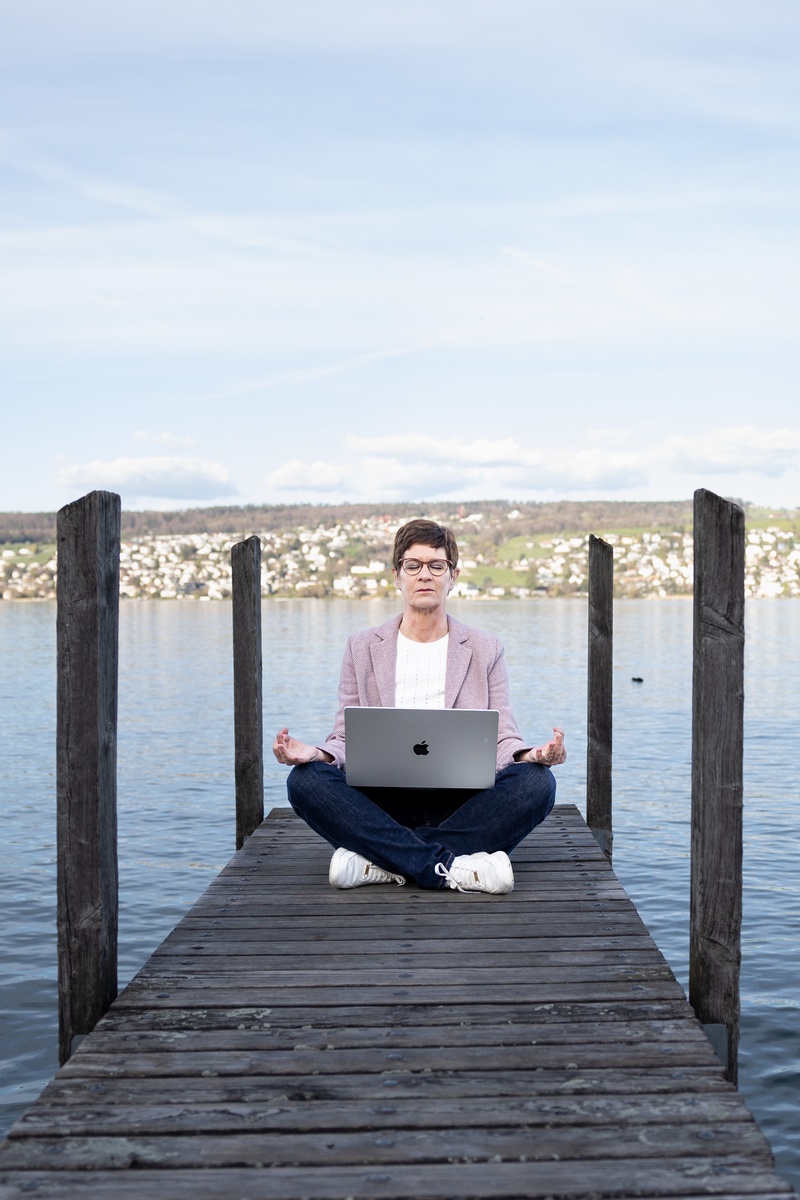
x,y
408,466
367,478
161,477
736,450
553,464
422,447
298,476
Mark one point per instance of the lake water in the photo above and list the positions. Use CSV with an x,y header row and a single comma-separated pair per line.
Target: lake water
x,y
176,803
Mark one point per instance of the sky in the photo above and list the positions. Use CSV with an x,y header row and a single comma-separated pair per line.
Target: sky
x,y
382,250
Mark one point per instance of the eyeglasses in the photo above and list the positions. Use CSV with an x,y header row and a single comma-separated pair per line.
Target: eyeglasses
x,y
437,566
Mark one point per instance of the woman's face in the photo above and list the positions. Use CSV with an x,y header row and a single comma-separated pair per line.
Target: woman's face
x,y
425,592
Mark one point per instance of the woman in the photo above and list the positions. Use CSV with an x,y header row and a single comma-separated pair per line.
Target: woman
x,y
423,658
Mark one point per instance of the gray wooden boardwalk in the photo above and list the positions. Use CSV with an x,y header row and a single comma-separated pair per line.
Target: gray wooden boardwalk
x,y
288,1040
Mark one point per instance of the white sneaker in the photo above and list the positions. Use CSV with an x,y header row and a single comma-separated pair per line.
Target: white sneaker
x,y
349,870
481,872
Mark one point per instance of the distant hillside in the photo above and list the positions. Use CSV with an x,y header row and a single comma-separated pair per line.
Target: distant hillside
x,y
560,516
507,551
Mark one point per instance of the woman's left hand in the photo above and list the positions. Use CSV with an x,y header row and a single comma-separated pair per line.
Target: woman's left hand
x,y
553,753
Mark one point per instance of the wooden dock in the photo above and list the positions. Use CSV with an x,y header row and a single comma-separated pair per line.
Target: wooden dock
x,y
288,1040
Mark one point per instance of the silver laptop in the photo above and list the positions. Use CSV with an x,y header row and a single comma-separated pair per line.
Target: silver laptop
x,y
420,747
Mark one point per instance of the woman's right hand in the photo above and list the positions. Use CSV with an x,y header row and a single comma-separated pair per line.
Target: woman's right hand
x,y
292,752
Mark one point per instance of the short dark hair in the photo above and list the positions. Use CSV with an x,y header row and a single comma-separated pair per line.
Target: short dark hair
x,y
424,533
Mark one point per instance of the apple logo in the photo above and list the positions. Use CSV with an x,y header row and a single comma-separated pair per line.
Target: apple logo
x,y
421,748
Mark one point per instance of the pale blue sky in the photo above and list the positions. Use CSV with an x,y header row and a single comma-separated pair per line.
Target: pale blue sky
x,y
372,250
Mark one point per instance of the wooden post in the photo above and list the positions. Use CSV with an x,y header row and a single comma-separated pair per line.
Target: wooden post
x,y
247,705
87,635
599,703
717,733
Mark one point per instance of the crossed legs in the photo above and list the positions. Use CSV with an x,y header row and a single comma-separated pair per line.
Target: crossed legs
x,y
381,826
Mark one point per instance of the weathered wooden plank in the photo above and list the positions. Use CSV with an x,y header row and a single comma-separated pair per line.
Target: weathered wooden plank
x,y
416,910
368,976
498,992
330,942
457,1033
247,685
426,915
319,1116
553,853
717,754
313,869
582,918
645,1177
313,1060
554,857
397,1017
559,828
222,965
262,1089
539,1144
552,887
87,636
537,879
557,854
424,928
545,885
394,903
323,944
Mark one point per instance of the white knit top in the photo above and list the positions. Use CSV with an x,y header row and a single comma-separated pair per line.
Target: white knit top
x,y
420,673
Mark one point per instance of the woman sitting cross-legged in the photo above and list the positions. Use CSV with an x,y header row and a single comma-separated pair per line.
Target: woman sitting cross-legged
x,y
423,658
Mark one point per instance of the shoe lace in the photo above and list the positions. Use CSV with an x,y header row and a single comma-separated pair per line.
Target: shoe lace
x,y
446,873
371,871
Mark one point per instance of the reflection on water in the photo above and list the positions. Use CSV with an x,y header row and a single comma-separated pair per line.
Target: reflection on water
x,y
176,805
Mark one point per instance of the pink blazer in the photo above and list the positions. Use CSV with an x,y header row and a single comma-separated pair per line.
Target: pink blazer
x,y
476,678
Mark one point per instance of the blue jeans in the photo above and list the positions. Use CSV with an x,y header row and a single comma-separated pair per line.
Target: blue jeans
x,y
410,831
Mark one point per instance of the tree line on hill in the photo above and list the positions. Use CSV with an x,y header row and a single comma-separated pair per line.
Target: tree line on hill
x,y
546,517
